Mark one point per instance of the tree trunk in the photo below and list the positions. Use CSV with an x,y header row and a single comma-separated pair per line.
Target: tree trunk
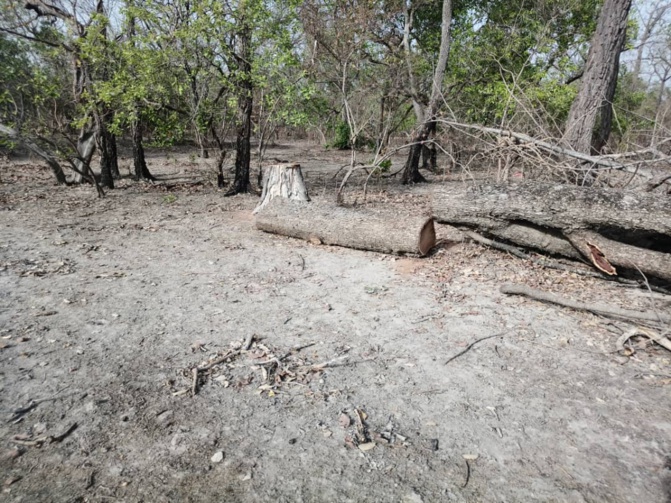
x,y
380,230
599,74
106,179
429,153
114,157
411,172
631,229
601,135
139,161
245,102
86,146
283,180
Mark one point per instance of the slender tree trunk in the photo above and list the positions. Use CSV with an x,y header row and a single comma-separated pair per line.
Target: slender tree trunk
x,y
114,157
411,172
139,162
245,102
103,139
600,72
429,153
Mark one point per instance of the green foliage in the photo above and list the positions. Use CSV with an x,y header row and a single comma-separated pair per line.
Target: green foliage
x,y
341,141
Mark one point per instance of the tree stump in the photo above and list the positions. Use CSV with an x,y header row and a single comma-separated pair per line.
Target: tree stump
x,y
285,181
380,230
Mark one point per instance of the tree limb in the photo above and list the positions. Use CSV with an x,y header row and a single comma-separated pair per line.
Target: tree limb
x,y
600,309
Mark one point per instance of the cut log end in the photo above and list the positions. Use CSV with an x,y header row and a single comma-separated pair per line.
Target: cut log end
x,y
427,237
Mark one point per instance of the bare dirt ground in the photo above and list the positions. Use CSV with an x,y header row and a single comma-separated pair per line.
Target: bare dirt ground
x,y
107,305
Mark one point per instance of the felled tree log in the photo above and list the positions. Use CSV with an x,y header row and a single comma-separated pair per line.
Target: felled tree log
x,y
284,181
376,230
612,229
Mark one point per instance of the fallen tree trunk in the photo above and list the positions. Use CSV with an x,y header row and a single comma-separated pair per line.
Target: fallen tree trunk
x,y
612,229
376,230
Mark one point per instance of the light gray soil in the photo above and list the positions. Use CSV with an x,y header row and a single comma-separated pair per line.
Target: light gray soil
x,y
106,306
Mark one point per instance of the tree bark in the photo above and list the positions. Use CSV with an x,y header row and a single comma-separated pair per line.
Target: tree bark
x,y
411,172
283,180
139,161
243,149
600,75
114,157
632,230
86,146
380,230
103,139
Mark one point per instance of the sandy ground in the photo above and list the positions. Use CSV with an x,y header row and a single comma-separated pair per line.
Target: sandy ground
x,y
107,305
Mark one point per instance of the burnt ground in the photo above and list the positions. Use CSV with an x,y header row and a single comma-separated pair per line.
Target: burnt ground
x,y
107,304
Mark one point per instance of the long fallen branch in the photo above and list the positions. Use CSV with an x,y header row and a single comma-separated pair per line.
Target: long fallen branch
x,y
600,309
596,160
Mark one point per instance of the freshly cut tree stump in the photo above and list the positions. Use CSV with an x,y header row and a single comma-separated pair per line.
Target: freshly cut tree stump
x,y
285,181
376,230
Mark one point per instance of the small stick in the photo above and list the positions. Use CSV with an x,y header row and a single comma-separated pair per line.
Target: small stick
x,y
471,345
195,370
331,363
248,343
194,383
468,474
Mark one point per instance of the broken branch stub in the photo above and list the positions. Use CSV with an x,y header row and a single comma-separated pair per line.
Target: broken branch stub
x,y
380,230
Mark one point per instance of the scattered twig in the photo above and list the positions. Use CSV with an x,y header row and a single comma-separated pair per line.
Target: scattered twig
x,y
45,439
248,343
467,348
600,309
17,413
653,336
468,474
293,351
194,383
65,434
196,370
335,362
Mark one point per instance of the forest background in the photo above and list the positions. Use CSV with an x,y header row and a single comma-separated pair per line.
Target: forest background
x,y
376,74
